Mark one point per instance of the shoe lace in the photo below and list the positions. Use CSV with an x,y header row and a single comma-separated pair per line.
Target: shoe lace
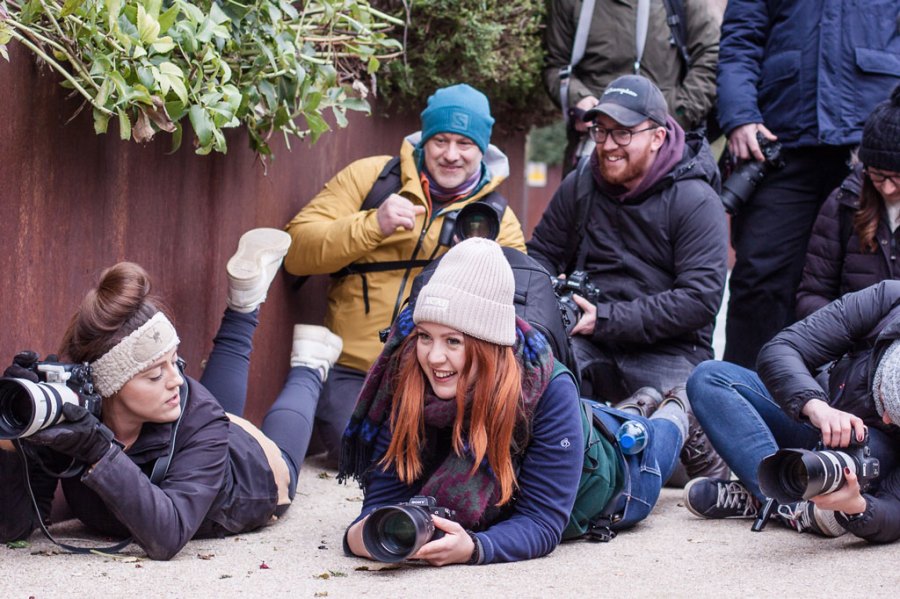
x,y
734,495
796,515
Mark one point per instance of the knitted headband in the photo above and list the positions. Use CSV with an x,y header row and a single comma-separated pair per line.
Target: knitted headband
x,y
886,383
471,291
134,354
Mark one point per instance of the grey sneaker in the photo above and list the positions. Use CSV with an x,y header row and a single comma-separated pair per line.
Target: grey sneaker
x,y
644,402
254,265
804,516
315,347
718,498
698,455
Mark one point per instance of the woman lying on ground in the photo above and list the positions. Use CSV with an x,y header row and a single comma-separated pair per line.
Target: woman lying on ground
x,y
855,238
225,475
749,417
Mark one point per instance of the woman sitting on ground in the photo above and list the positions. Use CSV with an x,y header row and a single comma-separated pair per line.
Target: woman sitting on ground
x,y
225,476
855,238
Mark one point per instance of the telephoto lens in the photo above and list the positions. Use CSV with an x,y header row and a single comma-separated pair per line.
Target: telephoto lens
x,y
27,407
790,475
394,533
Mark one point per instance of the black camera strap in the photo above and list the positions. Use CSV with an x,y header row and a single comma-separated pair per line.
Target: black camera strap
x,y
160,468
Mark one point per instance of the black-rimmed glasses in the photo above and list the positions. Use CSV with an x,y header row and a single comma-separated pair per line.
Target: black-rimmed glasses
x,y
880,178
621,137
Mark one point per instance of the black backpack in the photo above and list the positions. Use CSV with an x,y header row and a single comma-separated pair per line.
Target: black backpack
x,y
534,300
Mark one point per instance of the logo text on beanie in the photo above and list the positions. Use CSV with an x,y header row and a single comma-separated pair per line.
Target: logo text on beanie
x,y
437,302
460,120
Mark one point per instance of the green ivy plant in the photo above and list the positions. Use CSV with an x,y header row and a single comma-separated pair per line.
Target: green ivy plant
x,y
264,64
493,45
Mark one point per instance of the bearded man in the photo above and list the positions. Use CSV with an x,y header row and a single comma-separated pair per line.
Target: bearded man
x,y
641,217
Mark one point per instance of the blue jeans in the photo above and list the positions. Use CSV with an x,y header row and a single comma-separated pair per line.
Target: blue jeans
x,y
289,421
647,471
745,425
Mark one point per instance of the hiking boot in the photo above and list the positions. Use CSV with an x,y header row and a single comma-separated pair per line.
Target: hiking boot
x,y
644,402
254,265
805,516
315,347
719,498
697,454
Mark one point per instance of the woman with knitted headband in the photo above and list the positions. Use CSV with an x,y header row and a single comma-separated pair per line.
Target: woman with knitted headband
x,y
224,475
748,417
854,240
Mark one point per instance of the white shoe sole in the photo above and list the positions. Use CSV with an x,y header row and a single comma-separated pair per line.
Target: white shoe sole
x,y
256,249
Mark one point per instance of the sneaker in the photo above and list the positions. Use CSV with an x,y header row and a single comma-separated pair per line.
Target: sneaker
x,y
719,498
253,266
315,347
644,402
699,457
805,516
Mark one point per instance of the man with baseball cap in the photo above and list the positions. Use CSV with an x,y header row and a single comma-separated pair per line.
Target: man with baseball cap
x,y
640,216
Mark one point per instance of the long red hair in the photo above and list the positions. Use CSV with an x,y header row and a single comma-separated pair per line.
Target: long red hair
x,y
495,409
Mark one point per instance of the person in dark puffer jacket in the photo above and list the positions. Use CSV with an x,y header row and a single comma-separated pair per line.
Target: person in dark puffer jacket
x,y
855,239
748,416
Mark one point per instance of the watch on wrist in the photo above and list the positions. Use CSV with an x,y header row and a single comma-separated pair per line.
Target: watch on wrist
x,y
475,558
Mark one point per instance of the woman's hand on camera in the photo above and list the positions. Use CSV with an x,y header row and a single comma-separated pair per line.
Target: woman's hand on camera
x,y
455,547
847,499
837,426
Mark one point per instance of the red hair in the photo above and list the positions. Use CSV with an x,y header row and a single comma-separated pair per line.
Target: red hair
x,y
495,409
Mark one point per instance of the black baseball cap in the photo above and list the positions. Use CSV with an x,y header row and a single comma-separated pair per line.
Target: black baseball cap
x,y
631,100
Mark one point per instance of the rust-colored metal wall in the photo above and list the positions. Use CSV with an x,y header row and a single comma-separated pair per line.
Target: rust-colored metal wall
x,y
73,203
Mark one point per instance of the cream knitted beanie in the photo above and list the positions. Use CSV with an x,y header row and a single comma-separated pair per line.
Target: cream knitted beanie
x,y
886,383
471,291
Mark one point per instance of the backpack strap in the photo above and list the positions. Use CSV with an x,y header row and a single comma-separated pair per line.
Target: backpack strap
x,y
578,47
387,183
576,252
678,27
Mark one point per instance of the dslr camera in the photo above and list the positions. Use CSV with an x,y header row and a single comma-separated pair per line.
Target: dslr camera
x,y
565,287
790,475
477,219
740,185
395,532
27,407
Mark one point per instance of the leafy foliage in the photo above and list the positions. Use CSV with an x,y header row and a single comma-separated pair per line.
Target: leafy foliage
x,y
493,45
149,64
547,144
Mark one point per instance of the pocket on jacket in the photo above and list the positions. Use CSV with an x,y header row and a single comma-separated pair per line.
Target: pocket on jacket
x,y
780,73
778,68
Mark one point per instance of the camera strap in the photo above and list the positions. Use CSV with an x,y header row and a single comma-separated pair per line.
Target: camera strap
x,y
160,468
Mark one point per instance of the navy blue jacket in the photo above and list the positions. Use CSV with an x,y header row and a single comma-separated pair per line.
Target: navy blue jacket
x,y
855,331
809,70
547,481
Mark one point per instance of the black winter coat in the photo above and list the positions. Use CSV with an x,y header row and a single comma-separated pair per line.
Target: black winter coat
x,y
835,265
853,334
658,260
219,481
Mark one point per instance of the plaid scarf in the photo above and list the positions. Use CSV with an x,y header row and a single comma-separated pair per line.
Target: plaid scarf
x,y
473,497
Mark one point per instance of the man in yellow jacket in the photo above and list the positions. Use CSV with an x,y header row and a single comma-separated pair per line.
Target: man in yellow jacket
x,y
377,252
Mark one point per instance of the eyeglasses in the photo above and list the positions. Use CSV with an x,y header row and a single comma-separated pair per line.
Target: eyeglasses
x,y
880,178
621,137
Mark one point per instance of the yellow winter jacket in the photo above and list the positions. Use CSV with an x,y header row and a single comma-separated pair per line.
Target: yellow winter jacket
x,y
332,232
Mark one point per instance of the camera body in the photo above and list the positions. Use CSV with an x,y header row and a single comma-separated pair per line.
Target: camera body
x,y
27,407
394,533
565,287
790,475
738,188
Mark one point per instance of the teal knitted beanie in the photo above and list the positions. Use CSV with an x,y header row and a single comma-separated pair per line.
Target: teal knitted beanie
x,y
459,109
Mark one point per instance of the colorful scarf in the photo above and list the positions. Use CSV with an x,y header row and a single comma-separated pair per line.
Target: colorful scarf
x,y
473,497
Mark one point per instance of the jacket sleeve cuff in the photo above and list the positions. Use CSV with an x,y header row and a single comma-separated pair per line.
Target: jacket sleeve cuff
x,y
794,405
603,312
